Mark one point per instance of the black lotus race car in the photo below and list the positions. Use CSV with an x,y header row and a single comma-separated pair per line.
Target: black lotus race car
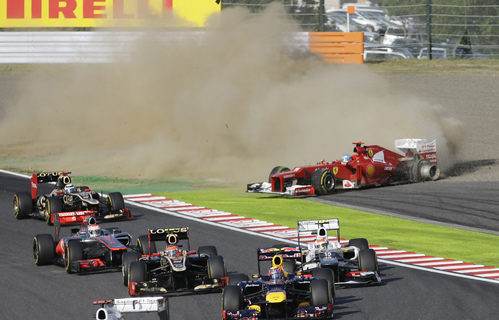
x,y
88,248
281,294
174,270
71,203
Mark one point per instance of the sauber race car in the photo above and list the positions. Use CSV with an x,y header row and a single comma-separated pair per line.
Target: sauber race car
x,y
281,293
114,309
71,203
354,263
176,270
370,165
89,248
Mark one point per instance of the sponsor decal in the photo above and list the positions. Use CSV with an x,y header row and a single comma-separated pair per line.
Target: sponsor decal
x,y
388,168
75,213
335,170
288,176
168,230
105,13
370,153
348,184
34,185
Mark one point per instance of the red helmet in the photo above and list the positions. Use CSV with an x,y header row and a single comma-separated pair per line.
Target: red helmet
x,y
173,251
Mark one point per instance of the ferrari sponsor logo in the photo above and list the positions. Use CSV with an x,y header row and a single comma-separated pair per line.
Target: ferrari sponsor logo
x,y
370,153
370,170
335,170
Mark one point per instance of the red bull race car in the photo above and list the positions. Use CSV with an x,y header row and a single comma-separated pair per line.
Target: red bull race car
x,y
72,204
89,248
281,293
369,165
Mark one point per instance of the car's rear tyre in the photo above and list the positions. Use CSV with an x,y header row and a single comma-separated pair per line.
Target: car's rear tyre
x,y
278,169
360,243
143,244
235,278
328,275
54,205
127,259
208,250
320,292
74,253
115,201
323,181
216,267
23,205
232,298
368,260
137,272
43,249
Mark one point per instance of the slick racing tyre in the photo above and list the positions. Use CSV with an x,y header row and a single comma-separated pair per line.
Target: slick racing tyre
x,y
232,298
23,205
211,251
235,278
43,249
137,272
328,275
278,169
323,181
216,267
143,244
54,205
127,259
320,293
360,243
368,260
74,253
115,201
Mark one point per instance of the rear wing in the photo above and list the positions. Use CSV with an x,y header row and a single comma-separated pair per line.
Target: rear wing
x,y
170,235
317,228
268,254
113,309
48,177
426,148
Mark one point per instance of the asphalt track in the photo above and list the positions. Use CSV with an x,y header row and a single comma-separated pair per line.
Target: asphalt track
x,y
466,205
48,292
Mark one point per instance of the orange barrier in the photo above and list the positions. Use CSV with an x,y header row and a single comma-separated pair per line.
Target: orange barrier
x,y
338,47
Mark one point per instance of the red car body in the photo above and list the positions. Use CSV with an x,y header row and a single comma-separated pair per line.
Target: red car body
x,y
370,165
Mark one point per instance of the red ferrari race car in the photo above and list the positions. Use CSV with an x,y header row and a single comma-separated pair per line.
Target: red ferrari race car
x,y
71,203
370,165
89,248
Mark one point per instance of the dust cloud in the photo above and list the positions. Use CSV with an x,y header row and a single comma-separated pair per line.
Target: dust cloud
x,y
228,105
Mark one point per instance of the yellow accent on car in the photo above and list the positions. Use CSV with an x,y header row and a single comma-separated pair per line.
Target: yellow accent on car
x,y
304,304
255,307
275,297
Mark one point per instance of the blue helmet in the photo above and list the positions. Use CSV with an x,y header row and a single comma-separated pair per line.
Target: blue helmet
x,y
345,158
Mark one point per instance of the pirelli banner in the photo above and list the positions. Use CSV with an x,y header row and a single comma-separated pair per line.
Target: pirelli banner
x,y
105,13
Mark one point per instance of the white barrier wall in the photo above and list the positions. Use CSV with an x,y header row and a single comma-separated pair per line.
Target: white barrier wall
x,y
92,47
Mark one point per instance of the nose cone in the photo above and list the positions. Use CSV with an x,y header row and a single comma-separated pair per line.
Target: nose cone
x,y
275,296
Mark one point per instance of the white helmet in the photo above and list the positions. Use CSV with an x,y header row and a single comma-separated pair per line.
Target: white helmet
x,y
69,188
94,230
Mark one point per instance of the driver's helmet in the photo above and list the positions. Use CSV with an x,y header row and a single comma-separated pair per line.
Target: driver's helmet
x,y
173,251
69,188
345,158
94,230
276,274
321,243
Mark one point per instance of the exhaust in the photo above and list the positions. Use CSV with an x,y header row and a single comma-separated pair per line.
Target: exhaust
x,y
429,172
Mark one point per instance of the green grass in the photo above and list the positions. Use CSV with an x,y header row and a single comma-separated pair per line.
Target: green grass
x,y
380,230
488,67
